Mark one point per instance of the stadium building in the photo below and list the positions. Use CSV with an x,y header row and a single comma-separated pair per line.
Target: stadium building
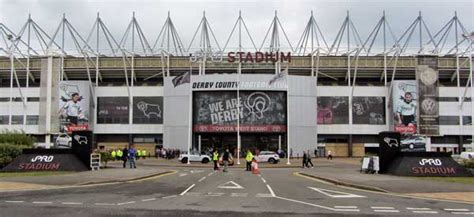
x,y
325,94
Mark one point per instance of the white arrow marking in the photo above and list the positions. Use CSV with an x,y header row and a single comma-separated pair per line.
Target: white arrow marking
x,y
337,194
230,185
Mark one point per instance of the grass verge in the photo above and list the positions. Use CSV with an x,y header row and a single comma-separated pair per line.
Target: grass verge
x,y
38,173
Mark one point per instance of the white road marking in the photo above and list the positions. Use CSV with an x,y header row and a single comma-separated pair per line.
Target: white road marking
x,y
171,196
259,175
210,194
462,210
189,188
200,180
42,202
264,181
71,203
345,207
124,203
382,207
415,208
182,174
386,210
14,201
337,194
230,185
271,190
463,213
425,212
197,171
316,205
104,204
149,199
264,195
193,194
238,194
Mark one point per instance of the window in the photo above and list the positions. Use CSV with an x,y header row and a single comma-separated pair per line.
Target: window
x,y
32,120
33,99
17,119
4,119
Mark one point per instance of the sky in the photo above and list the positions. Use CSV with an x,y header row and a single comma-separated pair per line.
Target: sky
x,y
222,15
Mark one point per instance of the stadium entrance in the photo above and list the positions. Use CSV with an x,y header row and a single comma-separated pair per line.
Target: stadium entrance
x,y
205,142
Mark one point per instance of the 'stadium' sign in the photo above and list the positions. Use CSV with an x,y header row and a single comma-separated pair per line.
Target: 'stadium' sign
x,y
46,160
426,164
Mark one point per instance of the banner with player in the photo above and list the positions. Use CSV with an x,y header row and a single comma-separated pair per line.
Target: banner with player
x,y
405,106
74,103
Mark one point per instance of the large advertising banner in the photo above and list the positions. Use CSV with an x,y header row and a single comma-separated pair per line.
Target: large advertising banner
x,y
112,110
148,110
333,110
427,76
368,110
74,104
260,111
405,106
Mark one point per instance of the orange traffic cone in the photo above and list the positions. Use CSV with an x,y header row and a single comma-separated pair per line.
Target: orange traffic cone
x,y
254,166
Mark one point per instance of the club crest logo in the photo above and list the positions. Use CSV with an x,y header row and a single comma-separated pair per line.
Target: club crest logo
x,y
257,103
149,109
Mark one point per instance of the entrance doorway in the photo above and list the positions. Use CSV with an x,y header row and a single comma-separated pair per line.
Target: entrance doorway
x,y
255,142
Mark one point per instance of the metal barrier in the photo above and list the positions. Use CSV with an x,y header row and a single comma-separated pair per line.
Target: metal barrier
x,y
95,161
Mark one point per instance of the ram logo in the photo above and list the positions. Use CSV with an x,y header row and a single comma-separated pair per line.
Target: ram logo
x,y
81,139
149,109
391,142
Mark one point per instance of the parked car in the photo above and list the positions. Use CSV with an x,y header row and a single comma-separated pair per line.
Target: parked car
x,y
63,141
467,155
267,156
413,143
194,157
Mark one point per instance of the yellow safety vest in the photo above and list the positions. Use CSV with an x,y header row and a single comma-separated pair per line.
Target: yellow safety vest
x,y
119,153
113,153
215,156
249,157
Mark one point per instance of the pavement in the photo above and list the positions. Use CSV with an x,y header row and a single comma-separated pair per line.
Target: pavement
x,y
205,192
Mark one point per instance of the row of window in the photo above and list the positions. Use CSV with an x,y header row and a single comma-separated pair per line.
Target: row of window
x,y
18,119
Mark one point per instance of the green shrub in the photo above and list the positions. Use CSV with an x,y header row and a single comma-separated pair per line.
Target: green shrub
x,y
469,163
16,138
8,152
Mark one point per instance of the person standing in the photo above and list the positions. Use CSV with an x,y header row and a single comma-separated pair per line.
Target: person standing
x,y
132,154
329,155
308,160
215,159
304,159
226,157
124,156
248,159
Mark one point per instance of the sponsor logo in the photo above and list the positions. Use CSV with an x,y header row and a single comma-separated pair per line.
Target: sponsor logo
x,y
430,161
42,158
149,109
428,76
429,106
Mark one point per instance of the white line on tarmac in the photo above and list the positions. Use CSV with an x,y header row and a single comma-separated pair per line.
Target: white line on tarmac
x,y
425,212
200,180
104,204
271,190
71,203
345,207
189,188
463,213
124,203
264,181
42,202
386,210
171,196
462,210
14,201
210,194
382,207
239,194
263,195
315,205
149,199
416,208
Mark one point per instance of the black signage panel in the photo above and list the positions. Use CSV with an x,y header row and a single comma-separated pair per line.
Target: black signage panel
x,y
46,160
389,148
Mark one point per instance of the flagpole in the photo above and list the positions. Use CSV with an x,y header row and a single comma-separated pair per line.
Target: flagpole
x,y
190,113
287,118
238,114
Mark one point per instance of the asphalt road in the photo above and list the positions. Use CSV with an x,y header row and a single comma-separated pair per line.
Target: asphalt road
x,y
203,192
